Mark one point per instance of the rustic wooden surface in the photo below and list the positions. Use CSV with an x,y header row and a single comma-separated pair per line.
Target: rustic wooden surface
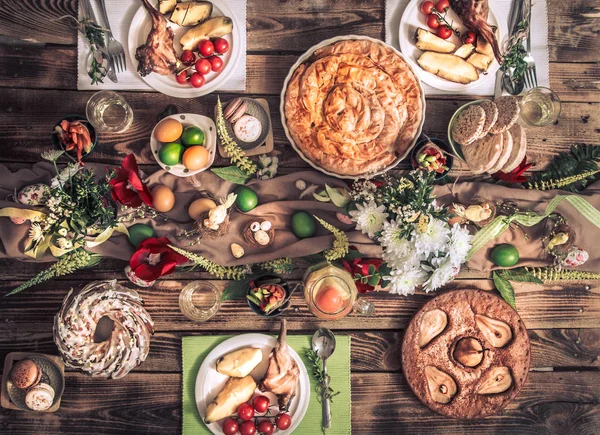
x,y
38,81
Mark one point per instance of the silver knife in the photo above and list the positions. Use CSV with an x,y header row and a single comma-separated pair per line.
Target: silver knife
x,y
515,12
88,11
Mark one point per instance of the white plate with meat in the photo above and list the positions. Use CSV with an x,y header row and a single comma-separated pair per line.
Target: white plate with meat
x,y
145,20
209,382
438,49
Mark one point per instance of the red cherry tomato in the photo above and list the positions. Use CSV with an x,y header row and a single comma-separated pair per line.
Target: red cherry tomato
x,y
427,7
265,427
187,57
206,48
197,80
442,5
216,63
433,22
247,428
283,421
469,38
261,404
444,32
203,66
221,45
182,77
230,426
245,411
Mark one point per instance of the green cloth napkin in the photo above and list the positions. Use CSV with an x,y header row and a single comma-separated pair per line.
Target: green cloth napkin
x,y
195,349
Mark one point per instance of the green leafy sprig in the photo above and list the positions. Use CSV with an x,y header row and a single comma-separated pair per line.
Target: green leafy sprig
x,y
323,387
340,244
551,273
227,272
502,282
282,265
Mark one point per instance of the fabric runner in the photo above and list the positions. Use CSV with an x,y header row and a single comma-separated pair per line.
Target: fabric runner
x,y
196,348
539,41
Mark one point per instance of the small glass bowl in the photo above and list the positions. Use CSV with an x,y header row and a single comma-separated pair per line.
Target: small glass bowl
x,y
200,300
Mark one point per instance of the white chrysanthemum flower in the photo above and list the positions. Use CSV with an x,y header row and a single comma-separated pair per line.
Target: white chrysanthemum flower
x,y
404,282
443,272
369,218
60,179
63,232
433,240
35,232
64,243
460,244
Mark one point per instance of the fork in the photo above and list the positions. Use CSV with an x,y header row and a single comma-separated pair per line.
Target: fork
x,y
530,72
115,49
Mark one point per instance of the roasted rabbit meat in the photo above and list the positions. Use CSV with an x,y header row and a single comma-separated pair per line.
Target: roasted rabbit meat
x,y
474,15
283,372
157,54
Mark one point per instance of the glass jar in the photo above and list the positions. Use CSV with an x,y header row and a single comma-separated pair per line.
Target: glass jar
x,y
331,293
200,300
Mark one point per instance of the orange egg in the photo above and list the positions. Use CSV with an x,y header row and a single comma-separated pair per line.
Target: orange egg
x,y
163,198
199,206
195,158
329,300
168,130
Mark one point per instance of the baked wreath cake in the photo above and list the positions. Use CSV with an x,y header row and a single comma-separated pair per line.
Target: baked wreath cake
x,y
354,107
466,354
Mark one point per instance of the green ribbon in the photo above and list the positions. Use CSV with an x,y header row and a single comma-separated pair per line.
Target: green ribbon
x,y
529,219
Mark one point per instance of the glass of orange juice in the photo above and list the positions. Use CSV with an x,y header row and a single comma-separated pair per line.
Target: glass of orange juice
x,y
331,294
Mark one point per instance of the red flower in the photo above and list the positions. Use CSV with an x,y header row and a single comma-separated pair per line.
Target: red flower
x,y
360,266
154,259
516,175
127,187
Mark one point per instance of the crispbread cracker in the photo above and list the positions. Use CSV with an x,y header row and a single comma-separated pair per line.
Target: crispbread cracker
x,y
507,146
483,154
491,116
468,125
519,148
508,113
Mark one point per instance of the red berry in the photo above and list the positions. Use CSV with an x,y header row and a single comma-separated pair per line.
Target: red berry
x,y
187,57
247,428
182,77
216,63
206,48
203,66
245,411
230,426
261,403
283,421
265,427
221,45
197,80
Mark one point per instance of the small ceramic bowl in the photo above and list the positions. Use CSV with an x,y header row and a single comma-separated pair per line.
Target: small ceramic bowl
x,y
73,153
253,108
456,148
441,145
286,288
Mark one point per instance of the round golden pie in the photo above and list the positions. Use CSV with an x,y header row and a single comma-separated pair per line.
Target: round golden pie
x,y
466,354
354,107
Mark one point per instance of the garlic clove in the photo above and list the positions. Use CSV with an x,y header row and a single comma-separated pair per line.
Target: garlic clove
x,y
237,251
432,325
497,380
441,385
262,238
265,225
495,331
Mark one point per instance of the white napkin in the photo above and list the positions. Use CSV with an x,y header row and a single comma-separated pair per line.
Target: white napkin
x,y
120,14
539,41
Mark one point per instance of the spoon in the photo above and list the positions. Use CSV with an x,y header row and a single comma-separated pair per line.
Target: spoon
x,y
511,86
323,343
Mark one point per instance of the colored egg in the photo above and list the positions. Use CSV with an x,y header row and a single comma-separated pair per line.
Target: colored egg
x,y
200,206
504,255
192,136
168,130
329,300
34,194
171,153
18,220
138,233
246,198
195,158
163,198
303,225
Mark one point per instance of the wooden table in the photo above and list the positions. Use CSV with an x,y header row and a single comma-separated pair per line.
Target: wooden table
x,y
38,80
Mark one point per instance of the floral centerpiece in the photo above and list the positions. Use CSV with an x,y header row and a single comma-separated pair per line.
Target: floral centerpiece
x,y
400,213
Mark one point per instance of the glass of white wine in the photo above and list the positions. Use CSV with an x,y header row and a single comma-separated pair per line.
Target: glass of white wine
x,y
540,107
108,111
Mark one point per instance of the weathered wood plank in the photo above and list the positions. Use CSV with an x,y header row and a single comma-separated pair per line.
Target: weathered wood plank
x,y
550,403
573,28
556,305
372,351
27,125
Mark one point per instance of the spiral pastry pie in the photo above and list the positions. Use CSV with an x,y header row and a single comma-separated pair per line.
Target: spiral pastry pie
x,y
75,325
354,107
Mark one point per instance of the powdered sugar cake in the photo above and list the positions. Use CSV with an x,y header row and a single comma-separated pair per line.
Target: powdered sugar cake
x,y
472,364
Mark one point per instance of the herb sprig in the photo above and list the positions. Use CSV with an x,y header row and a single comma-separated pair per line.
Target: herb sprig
x,y
323,386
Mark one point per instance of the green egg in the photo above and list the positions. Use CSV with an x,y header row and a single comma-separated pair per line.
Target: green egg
x,y
504,255
303,225
138,233
171,153
246,198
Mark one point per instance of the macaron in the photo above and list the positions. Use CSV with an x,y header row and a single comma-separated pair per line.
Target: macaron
x,y
235,109
40,397
25,374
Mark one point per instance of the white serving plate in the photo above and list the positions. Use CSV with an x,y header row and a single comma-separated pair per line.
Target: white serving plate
x,y
209,382
413,18
210,142
303,59
138,32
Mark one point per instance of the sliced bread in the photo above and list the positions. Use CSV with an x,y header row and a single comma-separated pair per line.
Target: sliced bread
x,y
468,125
482,155
519,148
508,113
507,145
491,116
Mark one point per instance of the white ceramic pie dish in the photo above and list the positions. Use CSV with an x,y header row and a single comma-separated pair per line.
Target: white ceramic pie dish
x,y
303,59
